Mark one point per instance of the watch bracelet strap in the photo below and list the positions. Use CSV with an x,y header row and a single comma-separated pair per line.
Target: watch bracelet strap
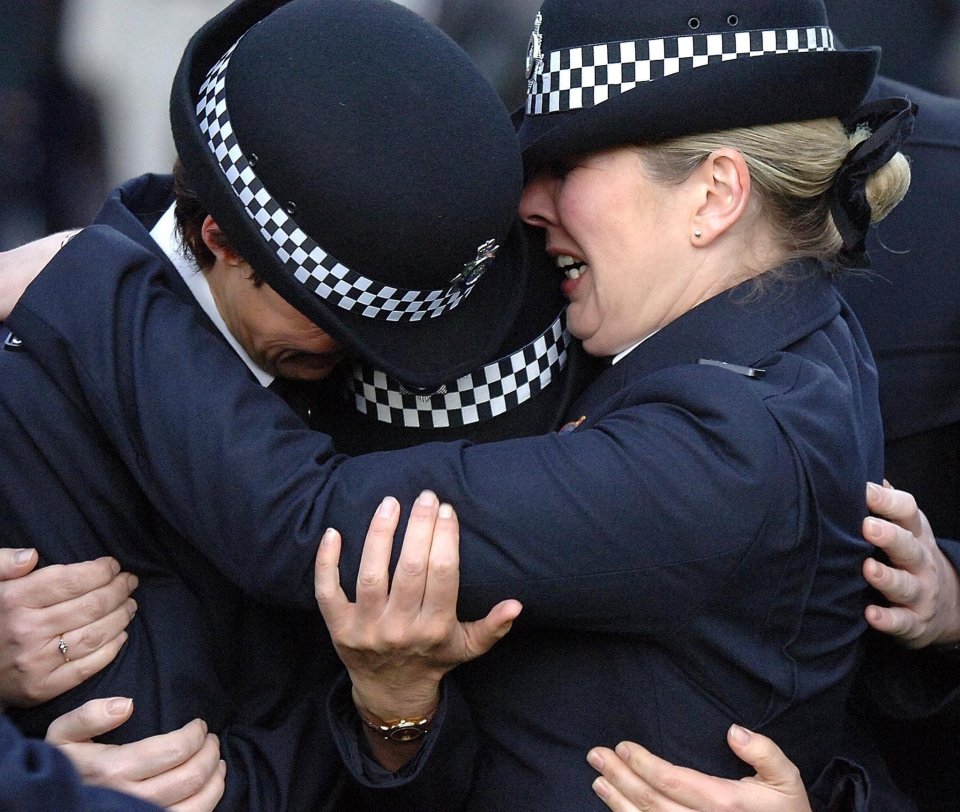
x,y
400,730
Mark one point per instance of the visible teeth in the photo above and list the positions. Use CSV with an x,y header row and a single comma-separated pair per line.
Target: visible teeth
x,y
572,268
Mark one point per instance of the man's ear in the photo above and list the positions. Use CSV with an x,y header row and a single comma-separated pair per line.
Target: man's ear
x,y
725,193
216,241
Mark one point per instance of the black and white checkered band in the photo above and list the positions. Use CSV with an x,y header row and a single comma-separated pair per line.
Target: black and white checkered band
x,y
578,78
303,258
486,393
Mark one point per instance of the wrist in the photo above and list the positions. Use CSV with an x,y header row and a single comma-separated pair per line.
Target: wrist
x,y
398,728
386,705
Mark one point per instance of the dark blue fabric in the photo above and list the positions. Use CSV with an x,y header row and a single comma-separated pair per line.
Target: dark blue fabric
x,y
909,308
687,558
85,465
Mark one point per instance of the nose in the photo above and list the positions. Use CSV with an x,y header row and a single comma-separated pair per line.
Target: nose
x,y
536,202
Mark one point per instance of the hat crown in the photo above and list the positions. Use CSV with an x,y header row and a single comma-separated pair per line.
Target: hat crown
x,y
339,84
572,23
355,156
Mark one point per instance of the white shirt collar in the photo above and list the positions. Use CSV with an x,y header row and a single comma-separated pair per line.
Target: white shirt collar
x,y
621,355
164,234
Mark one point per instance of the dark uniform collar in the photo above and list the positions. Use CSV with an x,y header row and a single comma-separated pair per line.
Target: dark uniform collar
x,y
740,327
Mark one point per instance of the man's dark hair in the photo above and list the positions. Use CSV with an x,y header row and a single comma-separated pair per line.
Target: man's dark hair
x,y
190,214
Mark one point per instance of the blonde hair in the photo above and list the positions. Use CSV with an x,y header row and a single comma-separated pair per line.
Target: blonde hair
x,y
792,167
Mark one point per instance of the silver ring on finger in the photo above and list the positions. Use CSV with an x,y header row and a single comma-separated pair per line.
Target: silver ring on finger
x,y
62,645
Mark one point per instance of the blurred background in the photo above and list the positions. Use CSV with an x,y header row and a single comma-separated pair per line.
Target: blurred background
x,y
84,83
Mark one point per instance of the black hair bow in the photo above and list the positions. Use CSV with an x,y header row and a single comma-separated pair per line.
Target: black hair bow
x,y
890,121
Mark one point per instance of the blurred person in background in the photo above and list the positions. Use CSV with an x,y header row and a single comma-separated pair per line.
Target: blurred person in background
x,y
51,146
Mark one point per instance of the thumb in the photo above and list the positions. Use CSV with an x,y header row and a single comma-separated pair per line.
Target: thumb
x,y
482,634
93,718
773,768
16,563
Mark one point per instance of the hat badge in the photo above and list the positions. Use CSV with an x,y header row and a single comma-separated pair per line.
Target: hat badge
x,y
473,270
535,51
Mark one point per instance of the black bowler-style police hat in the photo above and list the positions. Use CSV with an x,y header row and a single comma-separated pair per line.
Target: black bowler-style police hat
x,y
357,159
602,73
526,388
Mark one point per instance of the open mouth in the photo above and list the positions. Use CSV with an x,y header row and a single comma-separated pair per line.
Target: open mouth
x,y
572,267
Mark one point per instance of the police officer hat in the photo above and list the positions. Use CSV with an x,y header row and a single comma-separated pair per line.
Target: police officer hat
x,y
526,388
608,72
357,159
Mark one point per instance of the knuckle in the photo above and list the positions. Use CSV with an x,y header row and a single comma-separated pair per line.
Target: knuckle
x,y
369,579
445,566
91,638
412,566
20,629
92,605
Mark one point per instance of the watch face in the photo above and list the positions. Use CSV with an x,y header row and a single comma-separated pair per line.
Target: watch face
x,y
406,734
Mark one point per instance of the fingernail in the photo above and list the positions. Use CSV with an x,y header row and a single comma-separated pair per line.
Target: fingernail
x,y
872,527
740,734
132,582
388,507
602,788
131,608
119,706
446,511
623,751
114,566
595,760
328,535
427,498
22,556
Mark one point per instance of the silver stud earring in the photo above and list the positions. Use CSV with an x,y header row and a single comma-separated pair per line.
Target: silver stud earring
x,y
698,234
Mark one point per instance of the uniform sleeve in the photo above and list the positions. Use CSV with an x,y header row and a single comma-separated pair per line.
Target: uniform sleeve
x,y
951,549
297,745
35,777
626,526
437,779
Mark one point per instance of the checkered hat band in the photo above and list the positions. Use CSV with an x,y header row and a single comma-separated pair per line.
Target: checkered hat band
x,y
484,394
578,78
306,261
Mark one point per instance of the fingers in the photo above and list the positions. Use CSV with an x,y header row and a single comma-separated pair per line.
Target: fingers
x,y
630,778
69,675
481,635
185,780
326,580
418,557
901,546
208,797
15,563
898,586
93,718
897,506
373,575
901,623
63,582
773,768
147,758
443,566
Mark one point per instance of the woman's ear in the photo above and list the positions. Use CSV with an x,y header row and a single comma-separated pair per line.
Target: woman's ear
x,y
725,188
218,243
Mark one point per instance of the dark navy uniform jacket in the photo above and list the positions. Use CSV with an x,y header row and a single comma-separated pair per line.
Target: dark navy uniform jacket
x,y
687,557
83,471
909,306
